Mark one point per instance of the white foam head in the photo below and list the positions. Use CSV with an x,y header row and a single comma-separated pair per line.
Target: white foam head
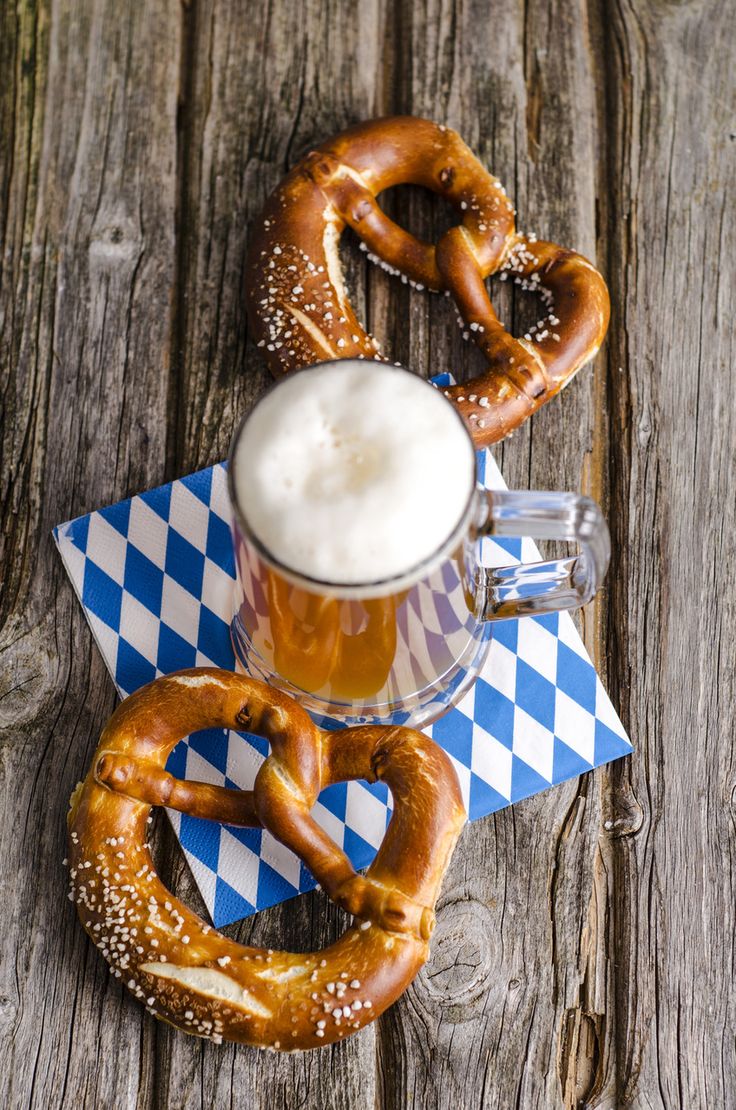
x,y
353,472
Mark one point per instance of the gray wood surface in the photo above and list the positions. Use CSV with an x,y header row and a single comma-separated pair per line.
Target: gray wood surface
x,y
584,954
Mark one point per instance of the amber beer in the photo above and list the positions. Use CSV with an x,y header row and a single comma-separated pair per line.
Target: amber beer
x,y
339,648
353,650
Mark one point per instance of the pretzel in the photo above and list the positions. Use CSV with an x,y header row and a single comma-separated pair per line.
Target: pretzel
x,y
298,307
194,977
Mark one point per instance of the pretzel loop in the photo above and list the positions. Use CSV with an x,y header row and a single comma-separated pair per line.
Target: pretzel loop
x,y
355,204
191,975
298,307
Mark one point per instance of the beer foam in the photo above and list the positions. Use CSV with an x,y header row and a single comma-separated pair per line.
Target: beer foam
x,y
353,472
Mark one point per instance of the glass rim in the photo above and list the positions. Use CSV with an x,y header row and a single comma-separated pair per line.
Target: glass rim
x,y
380,587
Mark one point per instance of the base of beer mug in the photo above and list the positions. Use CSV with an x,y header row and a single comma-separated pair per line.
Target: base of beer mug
x,y
414,711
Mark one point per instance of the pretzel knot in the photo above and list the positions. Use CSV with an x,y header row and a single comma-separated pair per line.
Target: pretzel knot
x,y
299,310
194,977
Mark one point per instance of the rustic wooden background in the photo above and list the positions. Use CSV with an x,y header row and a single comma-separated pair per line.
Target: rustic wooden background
x,y
585,949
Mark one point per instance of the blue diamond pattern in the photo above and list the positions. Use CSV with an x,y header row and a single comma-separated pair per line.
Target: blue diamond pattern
x,y
495,708
576,677
608,744
535,695
200,484
77,532
212,744
567,763
251,838
485,717
213,638
335,798
483,798
360,851
219,548
118,516
174,652
550,621
143,579
159,500
101,595
511,546
231,905
132,669
176,764
454,732
506,633
194,834
184,563
272,887
525,780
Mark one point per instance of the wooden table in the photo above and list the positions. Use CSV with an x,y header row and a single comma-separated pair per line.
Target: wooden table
x,y
584,954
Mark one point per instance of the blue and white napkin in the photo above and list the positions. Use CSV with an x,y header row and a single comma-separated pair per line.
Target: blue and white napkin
x,y
155,577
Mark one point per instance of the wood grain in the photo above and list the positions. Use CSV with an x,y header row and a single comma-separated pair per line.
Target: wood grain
x,y
673,448
584,953
89,252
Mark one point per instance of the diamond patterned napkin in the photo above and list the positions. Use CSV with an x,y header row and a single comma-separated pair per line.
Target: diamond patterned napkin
x,y
155,576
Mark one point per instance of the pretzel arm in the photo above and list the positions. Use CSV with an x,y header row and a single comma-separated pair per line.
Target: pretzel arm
x,y
581,309
462,272
523,373
285,812
345,190
145,782
398,249
390,894
428,810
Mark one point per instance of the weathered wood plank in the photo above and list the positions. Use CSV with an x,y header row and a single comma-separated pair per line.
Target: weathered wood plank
x,y
673,513
88,266
252,103
496,1016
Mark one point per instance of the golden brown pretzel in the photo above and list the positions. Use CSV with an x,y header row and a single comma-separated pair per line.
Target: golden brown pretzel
x,y
298,308
196,978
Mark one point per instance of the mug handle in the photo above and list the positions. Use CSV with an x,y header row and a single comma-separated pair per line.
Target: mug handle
x,y
544,587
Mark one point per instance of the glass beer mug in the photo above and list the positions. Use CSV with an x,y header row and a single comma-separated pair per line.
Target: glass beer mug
x,y
406,648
